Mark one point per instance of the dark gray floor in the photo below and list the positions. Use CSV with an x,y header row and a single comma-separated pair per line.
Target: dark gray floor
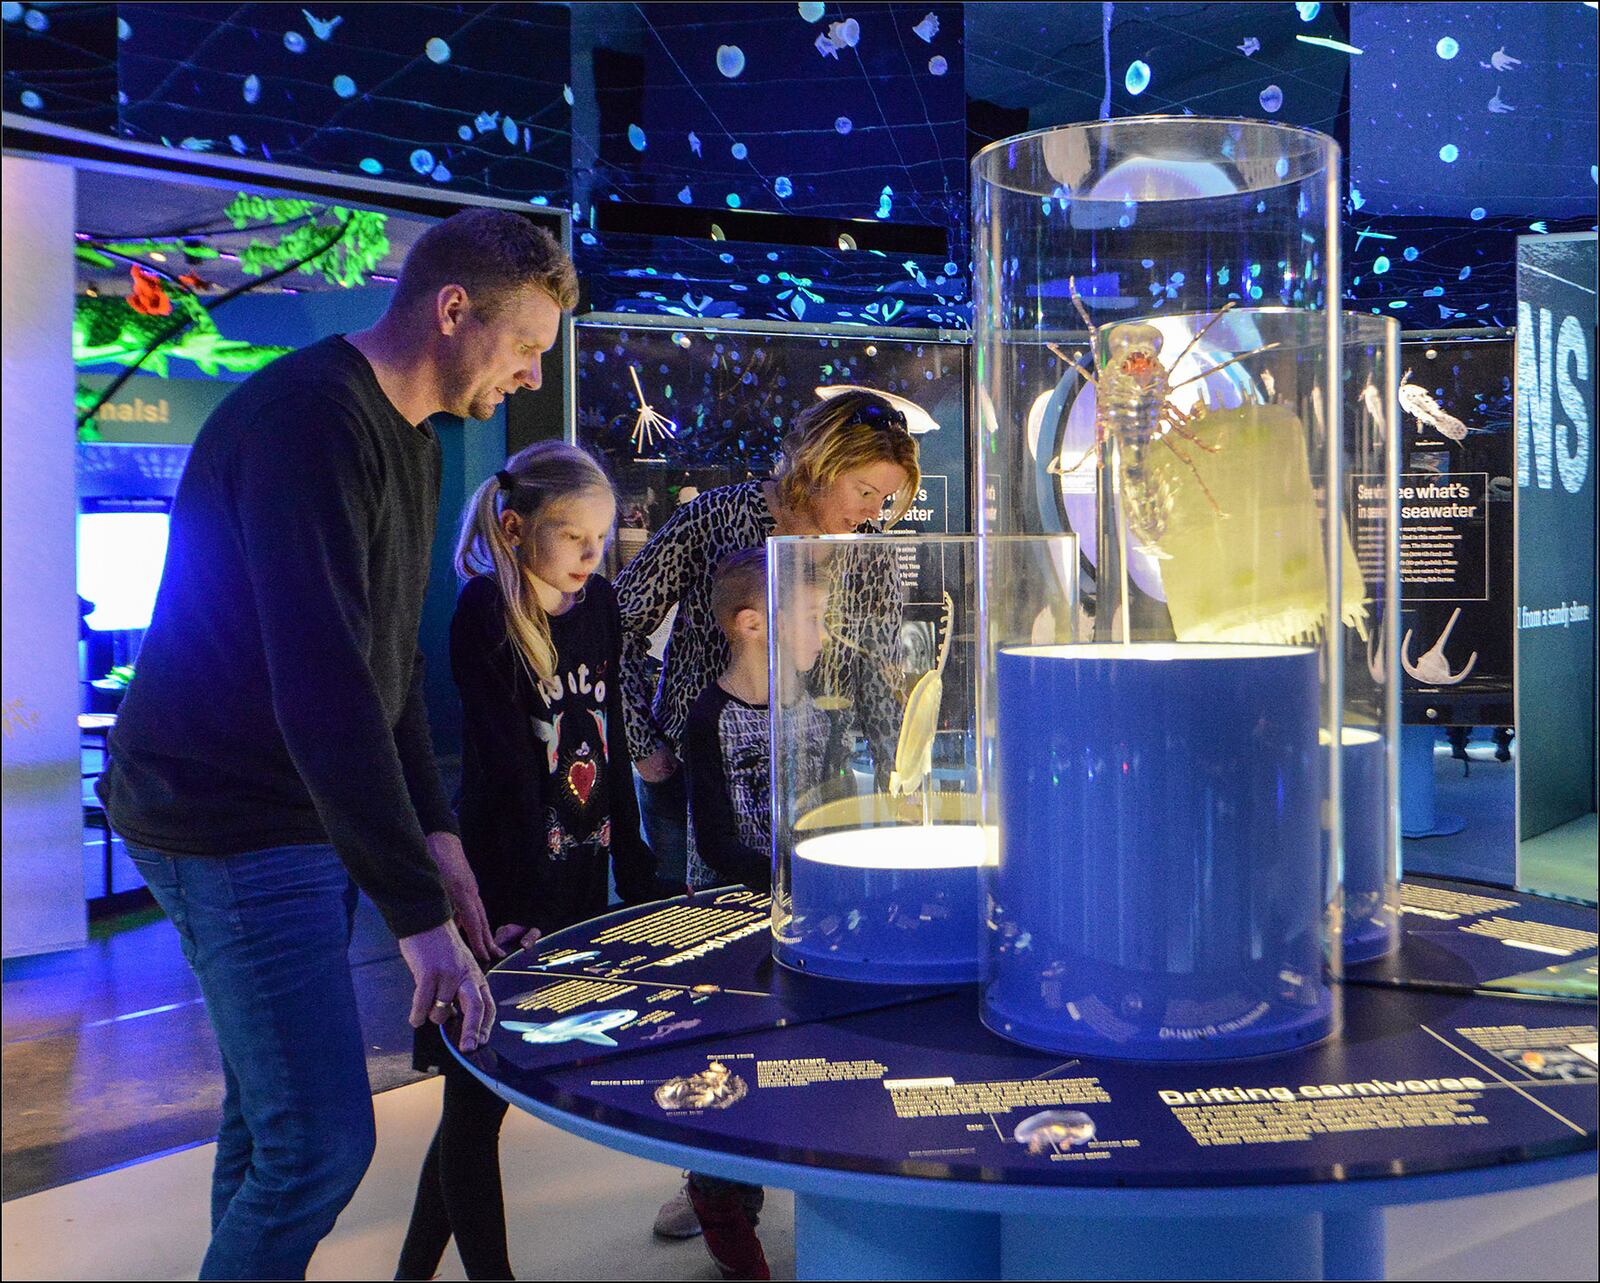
x,y
108,1057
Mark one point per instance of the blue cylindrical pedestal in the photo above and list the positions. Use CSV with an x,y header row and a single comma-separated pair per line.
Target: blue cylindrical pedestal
x,y
888,905
1159,891
1371,908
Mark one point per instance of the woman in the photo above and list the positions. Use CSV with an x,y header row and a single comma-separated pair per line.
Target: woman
x,y
846,460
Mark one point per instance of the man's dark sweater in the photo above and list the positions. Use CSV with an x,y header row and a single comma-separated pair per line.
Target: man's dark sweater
x,y
278,694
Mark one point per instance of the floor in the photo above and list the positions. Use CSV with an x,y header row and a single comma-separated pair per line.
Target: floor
x,y
1481,794
108,1057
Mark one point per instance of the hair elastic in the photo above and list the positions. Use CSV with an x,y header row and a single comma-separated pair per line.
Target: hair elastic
x,y
506,480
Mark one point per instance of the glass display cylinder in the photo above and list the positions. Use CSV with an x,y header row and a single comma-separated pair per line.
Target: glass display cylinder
x,y
1159,357
1370,739
877,844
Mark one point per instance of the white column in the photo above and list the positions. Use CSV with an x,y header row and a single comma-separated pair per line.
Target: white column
x,y
41,840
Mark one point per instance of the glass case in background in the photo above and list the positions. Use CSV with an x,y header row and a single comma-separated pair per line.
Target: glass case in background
x,y
1163,888
877,848
1370,738
1458,642
674,412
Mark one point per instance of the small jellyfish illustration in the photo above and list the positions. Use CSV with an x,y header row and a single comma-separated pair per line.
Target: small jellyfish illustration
x,y
1463,273
566,94
464,133
31,100
1308,12
344,86
1500,60
694,142
636,138
238,144
846,34
422,160
1280,167
1479,213
739,151
1410,253
782,188
937,64
885,202
252,88
10,11
37,20
685,196
730,60
812,11
1448,153
321,28
123,29
508,130
437,50
1498,105
733,200
440,174
928,28
1138,78
371,166
1380,265
294,42
1271,98
1447,48
844,124
1052,1130
1250,47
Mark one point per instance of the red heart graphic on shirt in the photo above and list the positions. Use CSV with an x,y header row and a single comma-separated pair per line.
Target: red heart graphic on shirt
x,y
580,779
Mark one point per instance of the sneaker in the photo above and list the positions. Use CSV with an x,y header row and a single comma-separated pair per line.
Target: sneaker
x,y
730,1235
677,1217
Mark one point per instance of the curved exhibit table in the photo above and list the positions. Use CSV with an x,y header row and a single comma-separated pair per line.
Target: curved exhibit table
x,y
920,1145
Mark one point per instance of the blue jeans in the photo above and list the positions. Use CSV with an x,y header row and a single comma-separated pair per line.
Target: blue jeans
x,y
268,936
664,819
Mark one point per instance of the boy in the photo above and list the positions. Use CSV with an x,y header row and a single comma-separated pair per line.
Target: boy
x,y
726,743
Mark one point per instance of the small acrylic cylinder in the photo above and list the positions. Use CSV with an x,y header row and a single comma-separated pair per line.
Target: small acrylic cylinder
x,y
1370,742
877,843
1159,353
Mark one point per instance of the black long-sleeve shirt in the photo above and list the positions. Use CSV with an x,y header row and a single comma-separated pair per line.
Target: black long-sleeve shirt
x,y
547,801
278,694
727,753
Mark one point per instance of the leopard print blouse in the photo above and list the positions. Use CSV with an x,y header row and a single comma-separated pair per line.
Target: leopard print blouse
x,y
865,606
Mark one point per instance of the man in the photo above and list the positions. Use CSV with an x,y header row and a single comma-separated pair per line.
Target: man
x,y
273,754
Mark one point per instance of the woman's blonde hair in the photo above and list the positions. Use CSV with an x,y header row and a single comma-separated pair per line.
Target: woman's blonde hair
x,y
852,430
533,481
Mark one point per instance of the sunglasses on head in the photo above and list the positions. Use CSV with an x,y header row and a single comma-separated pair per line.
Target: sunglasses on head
x,y
880,416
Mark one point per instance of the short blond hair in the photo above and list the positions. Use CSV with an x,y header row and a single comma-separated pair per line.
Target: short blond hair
x,y
739,583
490,253
852,430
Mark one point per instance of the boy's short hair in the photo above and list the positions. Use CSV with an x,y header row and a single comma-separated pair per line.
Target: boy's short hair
x,y
739,583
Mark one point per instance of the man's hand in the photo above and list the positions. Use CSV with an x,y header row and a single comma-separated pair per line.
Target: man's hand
x,y
658,766
462,887
513,935
447,977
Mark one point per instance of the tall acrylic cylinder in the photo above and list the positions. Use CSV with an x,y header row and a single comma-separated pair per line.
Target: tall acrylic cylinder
x,y
1159,364
877,846
1370,744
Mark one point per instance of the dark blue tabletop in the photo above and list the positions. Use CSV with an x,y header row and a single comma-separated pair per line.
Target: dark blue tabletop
x,y
672,1022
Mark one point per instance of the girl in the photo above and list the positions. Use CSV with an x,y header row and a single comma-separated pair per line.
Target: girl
x,y
547,806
